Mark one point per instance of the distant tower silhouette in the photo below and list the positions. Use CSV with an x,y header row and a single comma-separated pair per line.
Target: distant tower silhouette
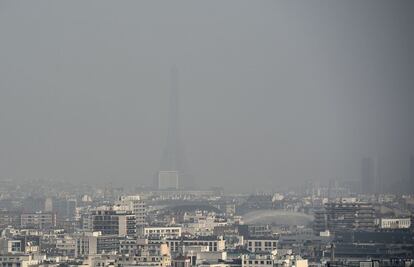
x,y
170,159
171,174
378,175
412,174
371,181
367,176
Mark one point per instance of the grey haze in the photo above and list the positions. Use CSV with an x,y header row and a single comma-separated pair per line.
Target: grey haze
x,y
272,93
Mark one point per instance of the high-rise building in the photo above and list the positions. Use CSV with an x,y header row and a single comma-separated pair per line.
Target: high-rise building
x,y
113,222
140,212
379,182
412,174
63,208
344,216
134,204
371,181
367,175
38,220
33,204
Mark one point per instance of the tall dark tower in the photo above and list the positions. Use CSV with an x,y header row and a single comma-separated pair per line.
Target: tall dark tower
x,y
371,178
379,186
367,176
171,172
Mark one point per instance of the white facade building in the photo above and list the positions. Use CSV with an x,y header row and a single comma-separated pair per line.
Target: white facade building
x,y
394,223
167,231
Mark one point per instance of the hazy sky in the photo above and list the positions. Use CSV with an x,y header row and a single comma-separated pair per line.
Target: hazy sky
x,y
272,92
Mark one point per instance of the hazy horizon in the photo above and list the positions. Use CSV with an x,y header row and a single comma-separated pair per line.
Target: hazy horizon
x,y
271,93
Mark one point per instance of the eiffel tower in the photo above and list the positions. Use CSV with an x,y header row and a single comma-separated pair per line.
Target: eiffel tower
x,y
171,174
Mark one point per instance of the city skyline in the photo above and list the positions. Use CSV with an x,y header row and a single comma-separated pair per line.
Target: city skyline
x,y
212,133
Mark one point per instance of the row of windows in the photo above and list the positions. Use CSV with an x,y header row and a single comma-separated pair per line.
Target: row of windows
x,y
9,264
143,259
174,245
266,244
257,262
163,231
388,223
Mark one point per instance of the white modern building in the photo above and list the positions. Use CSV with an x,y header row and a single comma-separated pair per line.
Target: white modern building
x,y
165,231
394,223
